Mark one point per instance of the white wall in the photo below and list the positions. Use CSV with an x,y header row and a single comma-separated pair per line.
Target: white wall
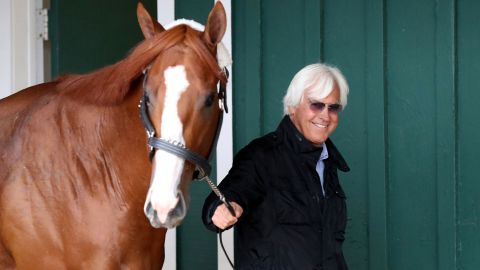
x,y
5,48
21,47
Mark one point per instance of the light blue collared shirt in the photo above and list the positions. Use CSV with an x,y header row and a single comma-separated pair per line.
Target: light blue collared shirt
x,y
321,166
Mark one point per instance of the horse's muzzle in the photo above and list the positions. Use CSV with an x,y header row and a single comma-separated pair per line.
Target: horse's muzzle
x,y
174,217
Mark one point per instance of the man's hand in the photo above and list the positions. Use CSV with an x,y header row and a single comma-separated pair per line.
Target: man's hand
x,y
222,217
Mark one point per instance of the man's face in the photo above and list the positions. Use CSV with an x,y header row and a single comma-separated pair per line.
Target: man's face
x,y
315,121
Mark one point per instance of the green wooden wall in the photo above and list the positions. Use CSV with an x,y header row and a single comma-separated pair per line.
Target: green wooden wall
x,y
410,131
89,34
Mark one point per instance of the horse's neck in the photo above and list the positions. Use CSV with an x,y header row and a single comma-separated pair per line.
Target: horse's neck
x,y
123,136
115,141
122,118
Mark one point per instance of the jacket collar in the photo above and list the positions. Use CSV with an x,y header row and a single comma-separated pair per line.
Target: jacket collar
x,y
336,156
296,141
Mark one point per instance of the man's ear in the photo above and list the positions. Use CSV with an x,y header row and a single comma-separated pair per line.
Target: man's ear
x,y
291,110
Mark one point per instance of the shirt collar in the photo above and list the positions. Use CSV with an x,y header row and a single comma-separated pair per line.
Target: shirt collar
x,y
324,154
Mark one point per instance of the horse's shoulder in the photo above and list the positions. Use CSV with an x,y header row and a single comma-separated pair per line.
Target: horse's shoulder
x,y
19,111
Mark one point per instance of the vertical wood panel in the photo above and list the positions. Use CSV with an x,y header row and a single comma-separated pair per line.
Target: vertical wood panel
x,y
468,134
312,31
247,46
411,124
376,135
344,45
445,89
282,32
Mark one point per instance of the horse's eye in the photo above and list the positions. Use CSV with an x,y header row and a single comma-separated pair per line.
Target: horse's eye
x,y
209,100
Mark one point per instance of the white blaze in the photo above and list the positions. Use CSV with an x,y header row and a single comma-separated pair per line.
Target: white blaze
x,y
167,168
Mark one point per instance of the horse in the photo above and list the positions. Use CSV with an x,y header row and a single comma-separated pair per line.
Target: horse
x,y
79,168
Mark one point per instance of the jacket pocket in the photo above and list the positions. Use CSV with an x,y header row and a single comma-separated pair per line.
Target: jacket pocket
x,y
339,192
338,204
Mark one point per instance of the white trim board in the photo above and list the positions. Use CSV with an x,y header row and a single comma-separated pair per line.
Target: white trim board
x,y
5,48
225,145
21,48
166,14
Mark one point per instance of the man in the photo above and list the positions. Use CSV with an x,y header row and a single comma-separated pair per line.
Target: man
x,y
290,208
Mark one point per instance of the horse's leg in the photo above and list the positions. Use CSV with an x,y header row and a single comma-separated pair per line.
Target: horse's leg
x,y
148,254
147,257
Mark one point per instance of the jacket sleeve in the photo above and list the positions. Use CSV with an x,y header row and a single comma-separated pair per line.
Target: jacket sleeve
x,y
242,185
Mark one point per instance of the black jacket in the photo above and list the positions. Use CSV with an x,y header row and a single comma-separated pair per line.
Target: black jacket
x,y
286,223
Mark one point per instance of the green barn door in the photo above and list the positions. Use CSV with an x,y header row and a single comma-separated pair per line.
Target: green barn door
x,y
410,132
88,34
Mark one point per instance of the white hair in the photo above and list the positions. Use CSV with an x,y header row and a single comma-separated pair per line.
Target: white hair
x,y
318,81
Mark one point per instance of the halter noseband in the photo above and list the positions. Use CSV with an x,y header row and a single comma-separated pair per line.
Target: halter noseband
x,y
202,164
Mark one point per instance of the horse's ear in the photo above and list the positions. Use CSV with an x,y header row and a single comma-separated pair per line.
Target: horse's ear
x,y
216,25
149,26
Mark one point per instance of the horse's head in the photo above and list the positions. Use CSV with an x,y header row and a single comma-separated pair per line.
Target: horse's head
x,y
183,105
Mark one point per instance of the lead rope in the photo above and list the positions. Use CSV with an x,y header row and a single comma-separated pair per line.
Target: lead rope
x,y
229,207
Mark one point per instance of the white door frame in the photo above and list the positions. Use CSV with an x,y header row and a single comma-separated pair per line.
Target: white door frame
x,y
21,46
165,15
225,145
5,48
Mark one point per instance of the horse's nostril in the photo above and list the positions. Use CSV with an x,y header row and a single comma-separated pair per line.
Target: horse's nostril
x,y
180,209
152,216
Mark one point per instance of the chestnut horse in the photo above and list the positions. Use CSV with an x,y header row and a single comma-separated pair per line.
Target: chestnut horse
x,y
75,174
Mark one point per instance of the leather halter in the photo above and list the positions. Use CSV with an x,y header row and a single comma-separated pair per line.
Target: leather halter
x,y
202,164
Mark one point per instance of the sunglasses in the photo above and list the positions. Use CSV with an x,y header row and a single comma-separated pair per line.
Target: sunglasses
x,y
317,106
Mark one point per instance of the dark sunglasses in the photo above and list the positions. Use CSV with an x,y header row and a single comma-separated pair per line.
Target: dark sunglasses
x,y
317,106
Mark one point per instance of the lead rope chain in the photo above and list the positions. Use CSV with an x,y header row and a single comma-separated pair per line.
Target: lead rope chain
x,y
229,207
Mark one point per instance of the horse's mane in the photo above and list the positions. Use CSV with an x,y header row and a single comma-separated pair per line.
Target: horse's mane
x,y
111,84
